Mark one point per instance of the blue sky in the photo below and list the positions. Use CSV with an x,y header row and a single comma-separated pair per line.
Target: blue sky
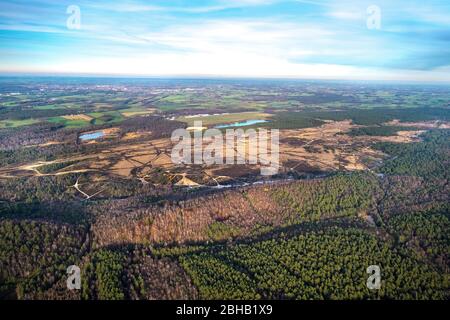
x,y
248,38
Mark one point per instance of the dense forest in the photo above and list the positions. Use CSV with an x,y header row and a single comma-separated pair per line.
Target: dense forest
x,y
370,117
294,237
34,257
329,264
429,159
313,240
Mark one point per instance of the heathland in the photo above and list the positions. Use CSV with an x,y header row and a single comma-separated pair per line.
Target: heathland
x,y
86,178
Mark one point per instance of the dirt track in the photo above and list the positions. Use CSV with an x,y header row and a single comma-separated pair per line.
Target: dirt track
x,y
321,149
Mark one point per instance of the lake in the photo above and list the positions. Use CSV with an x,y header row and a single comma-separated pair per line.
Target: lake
x,y
240,124
92,135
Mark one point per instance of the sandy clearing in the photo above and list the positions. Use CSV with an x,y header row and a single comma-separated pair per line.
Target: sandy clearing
x,y
422,124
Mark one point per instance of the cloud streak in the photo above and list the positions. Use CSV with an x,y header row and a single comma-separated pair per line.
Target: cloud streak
x,y
234,38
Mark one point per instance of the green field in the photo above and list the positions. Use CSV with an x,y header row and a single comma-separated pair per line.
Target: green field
x,y
17,123
69,123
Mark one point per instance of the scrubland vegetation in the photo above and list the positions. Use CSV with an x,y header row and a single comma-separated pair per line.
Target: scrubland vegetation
x,y
309,238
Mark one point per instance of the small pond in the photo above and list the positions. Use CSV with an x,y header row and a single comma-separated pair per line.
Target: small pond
x,y
92,135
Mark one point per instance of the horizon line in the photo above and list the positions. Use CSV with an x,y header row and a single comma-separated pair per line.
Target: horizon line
x,y
210,77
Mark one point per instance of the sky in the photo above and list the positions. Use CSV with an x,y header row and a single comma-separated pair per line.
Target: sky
x,y
312,39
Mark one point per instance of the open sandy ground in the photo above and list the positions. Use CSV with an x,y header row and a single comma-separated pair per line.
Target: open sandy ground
x,y
321,149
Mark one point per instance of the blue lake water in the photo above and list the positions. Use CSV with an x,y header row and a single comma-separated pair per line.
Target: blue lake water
x,y
92,135
240,124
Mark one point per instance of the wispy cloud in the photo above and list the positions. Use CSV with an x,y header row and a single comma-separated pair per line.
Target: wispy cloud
x,y
133,6
301,38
